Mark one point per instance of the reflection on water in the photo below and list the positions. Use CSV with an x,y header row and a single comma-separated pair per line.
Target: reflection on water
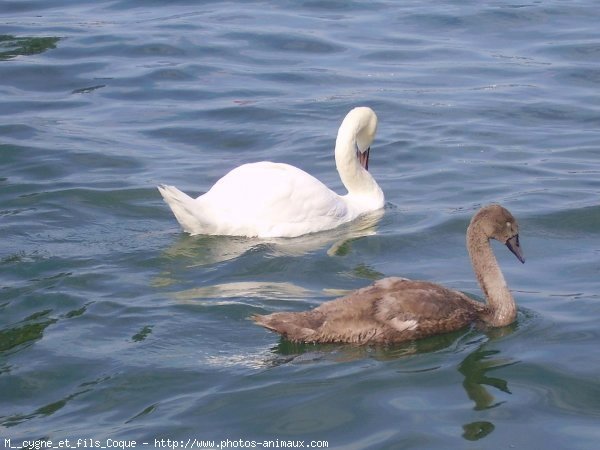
x,y
12,46
202,251
208,250
252,289
26,332
45,410
476,430
294,352
475,367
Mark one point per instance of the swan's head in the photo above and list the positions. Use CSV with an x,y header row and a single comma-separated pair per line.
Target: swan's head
x,y
498,223
360,126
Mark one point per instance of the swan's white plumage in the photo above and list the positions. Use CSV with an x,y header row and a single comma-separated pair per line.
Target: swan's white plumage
x,y
267,199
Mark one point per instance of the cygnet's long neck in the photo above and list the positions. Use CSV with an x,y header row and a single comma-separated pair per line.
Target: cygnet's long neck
x,y
358,181
501,303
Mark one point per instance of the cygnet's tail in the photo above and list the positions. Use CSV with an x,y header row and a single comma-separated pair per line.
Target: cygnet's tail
x,y
296,327
185,209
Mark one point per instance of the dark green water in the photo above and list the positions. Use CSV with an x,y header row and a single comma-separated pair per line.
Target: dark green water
x,y
116,325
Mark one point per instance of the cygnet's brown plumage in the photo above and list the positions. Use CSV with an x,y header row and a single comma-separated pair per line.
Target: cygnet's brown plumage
x,y
396,309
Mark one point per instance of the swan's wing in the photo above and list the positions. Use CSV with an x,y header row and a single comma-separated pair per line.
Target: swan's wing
x,y
274,195
422,307
395,310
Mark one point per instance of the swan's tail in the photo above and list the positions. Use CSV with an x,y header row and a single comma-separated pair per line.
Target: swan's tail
x,y
185,209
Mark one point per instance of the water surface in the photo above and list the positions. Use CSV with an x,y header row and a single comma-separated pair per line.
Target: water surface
x,y
116,325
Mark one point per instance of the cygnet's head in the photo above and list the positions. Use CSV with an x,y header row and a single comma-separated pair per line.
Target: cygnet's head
x,y
498,223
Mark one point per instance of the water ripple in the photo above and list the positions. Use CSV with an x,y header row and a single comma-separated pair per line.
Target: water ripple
x,y
116,323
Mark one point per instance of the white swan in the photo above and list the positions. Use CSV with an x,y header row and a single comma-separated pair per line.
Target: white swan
x,y
267,199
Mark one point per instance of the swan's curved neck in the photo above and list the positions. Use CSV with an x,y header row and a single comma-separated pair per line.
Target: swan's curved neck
x,y
501,304
357,180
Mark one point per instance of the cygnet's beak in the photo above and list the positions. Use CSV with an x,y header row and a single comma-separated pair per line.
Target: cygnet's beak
x,y
513,246
363,158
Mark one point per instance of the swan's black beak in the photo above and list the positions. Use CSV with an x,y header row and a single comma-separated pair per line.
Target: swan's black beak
x,y
513,246
363,158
